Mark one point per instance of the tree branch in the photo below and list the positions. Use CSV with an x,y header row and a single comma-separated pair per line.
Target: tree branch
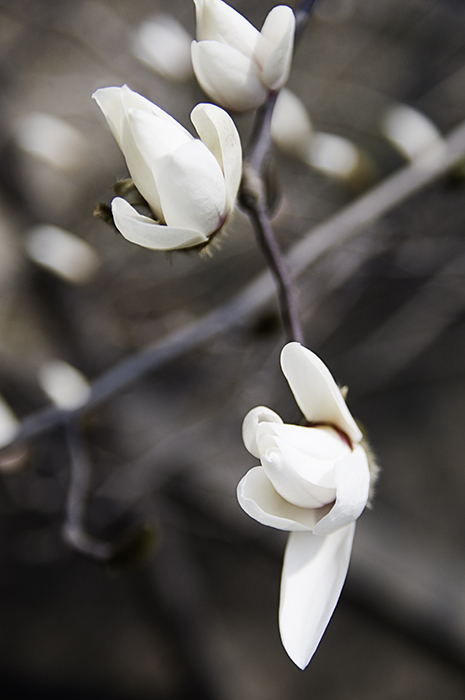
x,y
253,198
336,231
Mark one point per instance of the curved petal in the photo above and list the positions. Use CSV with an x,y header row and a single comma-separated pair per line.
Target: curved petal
x,y
217,21
191,188
115,103
315,390
218,132
132,100
352,477
142,230
287,472
250,424
278,31
258,498
314,572
227,76
109,101
322,445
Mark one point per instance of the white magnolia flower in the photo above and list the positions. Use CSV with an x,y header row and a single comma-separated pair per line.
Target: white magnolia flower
x,y
313,481
235,64
189,184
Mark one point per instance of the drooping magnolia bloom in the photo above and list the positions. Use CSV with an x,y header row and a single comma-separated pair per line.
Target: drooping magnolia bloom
x,y
313,481
189,184
236,65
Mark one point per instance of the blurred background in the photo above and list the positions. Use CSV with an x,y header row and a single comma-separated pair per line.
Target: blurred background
x,y
381,81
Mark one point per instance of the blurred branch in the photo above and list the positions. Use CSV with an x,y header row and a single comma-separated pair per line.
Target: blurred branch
x,y
335,232
74,531
405,334
302,14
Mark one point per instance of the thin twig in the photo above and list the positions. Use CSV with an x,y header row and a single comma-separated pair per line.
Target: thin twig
x,y
74,531
253,198
333,233
279,268
254,201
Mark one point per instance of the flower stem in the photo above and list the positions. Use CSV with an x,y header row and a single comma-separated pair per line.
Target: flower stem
x,y
254,201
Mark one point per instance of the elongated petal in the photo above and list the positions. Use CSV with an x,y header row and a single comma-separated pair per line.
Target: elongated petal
x,y
191,188
315,390
109,101
218,132
278,30
227,76
132,100
257,415
258,498
352,477
147,138
217,21
313,574
142,230
155,137
115,103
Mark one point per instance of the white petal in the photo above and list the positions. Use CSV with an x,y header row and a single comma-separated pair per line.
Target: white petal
x,y
258,498
278,30
217,21
109,101
323,444
227,76
250,424
115,102
142,230
191,188
155,136
294,474
352,477
314,572
218,132
315,390
132,100
147,138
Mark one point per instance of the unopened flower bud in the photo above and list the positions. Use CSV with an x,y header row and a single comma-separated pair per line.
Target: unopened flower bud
x,y
235,64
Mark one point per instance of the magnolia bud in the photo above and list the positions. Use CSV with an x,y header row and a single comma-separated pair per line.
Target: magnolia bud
x,y
235,64
190,185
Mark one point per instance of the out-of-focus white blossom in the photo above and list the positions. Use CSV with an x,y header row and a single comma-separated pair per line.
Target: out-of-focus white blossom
x,y
9,424
235,64
53,140
414,135
291,126
293,134
334,155
314,481
189,184
62,252
65,385
164,45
